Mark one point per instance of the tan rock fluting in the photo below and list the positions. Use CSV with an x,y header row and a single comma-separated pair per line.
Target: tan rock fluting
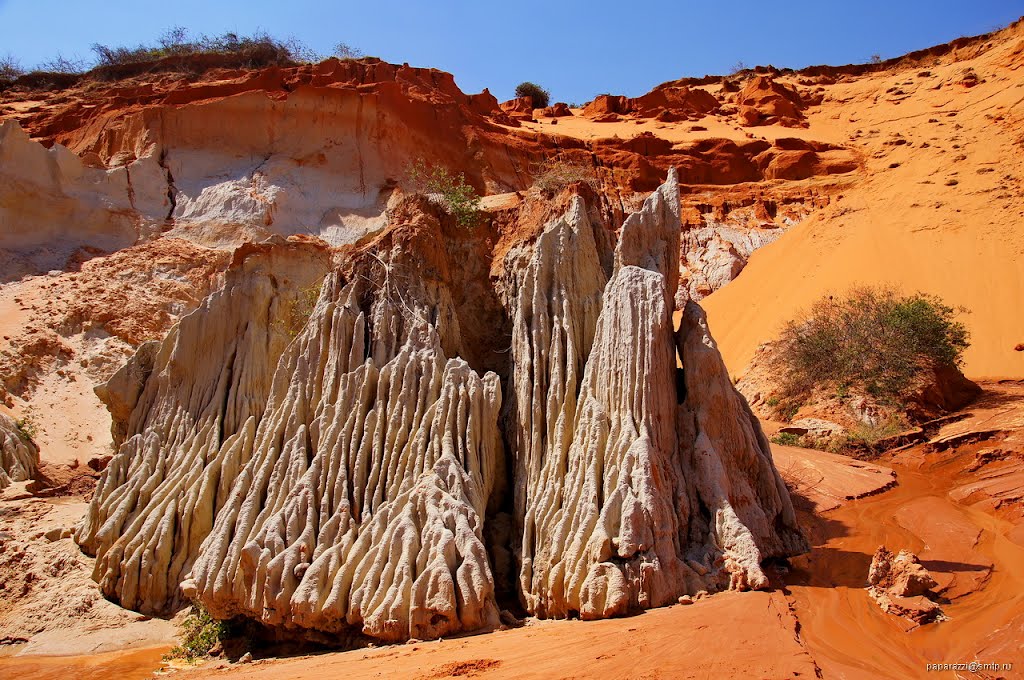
x,y
186,412
364,504
627,494
729,462
19,456
557,286
340,482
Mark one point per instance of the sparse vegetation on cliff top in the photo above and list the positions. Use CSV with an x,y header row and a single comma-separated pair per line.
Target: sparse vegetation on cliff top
x,y
537,94
242,51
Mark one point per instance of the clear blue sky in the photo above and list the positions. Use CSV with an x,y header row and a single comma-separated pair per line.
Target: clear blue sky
x,y
575,49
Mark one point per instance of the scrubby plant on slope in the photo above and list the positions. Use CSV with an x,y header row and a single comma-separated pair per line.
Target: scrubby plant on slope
x,y
553,175
199,633
873,341
459,199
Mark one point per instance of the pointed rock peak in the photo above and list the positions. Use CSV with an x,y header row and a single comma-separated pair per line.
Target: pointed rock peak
x,y
577,210
650,237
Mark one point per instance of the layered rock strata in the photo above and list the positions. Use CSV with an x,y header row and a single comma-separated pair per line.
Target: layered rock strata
x,y
52,203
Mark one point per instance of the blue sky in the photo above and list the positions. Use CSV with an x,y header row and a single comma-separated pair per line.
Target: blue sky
x,y
575,49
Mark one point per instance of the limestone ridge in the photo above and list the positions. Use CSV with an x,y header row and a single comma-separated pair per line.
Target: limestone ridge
x,y
629,494
19,456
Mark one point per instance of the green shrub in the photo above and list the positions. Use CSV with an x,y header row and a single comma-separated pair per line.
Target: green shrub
x,y
873,341
787,439
199,633
27,428
537,94
458,198
864,437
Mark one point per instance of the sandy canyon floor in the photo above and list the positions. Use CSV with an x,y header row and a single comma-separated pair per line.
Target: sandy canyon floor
x,y
953,499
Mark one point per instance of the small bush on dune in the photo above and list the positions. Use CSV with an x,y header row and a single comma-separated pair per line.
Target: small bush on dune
x,y
873,340
459,199
537,94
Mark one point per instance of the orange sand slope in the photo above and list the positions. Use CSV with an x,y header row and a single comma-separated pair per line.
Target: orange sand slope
x,y
938,208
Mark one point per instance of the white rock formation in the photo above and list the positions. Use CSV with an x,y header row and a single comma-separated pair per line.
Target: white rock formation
x,y
741,510
19,456
715,254
338,480
365,501
339,484
627,494
323,160
51,203
187,412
